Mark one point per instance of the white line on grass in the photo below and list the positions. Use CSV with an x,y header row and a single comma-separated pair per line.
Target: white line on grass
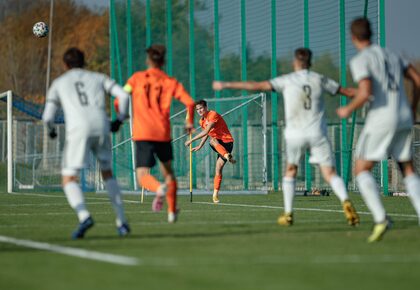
x,y
75,252
297,208
242,205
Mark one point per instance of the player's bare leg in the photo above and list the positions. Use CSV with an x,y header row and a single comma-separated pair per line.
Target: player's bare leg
x,y
370,194
171,192
337,184
412,184
288,186
220,163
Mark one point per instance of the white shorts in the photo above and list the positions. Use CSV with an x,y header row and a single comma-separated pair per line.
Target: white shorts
x,y
320,148
380,145
77,148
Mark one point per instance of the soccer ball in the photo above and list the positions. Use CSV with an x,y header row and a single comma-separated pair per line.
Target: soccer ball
x,y
40,29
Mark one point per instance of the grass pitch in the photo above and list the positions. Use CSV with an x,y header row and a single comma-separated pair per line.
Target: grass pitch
x,y
233,245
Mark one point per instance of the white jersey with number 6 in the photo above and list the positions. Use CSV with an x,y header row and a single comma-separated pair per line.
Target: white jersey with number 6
x,y
389,108
304,104
82,96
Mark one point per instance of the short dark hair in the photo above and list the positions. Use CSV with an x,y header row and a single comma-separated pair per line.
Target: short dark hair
x,y
304,55
156,53
201,103
74,57
360,28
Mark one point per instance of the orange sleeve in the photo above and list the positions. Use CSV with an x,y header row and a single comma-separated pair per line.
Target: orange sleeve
x,y
181,95
213,117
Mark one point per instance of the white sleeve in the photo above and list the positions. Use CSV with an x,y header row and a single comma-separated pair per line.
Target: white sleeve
x,y
330,85
112,88
278,84
51,106
404,63
359,68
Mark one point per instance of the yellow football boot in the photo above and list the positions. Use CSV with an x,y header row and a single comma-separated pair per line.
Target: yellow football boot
x,y
285,219
350,213
379,230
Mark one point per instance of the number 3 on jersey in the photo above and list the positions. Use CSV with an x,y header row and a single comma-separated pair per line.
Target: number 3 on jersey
x,y
307,103
83,98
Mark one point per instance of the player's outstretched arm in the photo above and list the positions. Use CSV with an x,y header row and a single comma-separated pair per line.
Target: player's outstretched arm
x,y
412,74
248,85
348,92
202,142
362,96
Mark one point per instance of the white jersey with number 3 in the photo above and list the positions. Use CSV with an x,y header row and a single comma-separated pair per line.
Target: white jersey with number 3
x,y
303,101
389,108
81,94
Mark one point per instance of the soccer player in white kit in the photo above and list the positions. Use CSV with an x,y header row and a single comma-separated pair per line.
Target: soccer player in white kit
x,y
388,126
306,127
82,95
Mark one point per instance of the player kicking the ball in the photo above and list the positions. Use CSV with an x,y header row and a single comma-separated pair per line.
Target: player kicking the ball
x,y
389,122
221,141
306,127
82,96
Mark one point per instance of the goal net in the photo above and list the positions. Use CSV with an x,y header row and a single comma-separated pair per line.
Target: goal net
x,y
247,121
34,160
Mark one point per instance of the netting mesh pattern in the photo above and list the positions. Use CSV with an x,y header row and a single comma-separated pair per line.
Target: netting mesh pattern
x,y
248,40
204,160
229,40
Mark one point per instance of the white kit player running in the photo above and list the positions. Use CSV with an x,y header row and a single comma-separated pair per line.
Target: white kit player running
x,y
306,127
82,96
389,122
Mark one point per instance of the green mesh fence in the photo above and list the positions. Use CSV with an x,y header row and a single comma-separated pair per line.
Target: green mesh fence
x,y
223,40
247,40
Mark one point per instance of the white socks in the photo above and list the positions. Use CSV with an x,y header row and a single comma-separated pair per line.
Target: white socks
x,y
114,192
339,188
412,184
288,193
370,194
76,200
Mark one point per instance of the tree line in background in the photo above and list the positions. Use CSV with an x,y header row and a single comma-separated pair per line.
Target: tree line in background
x,y
23,57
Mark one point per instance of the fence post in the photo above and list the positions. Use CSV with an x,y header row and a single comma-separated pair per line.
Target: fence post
x,y
308,168
216,50
244,109
382,42
192,74
343,100
274,100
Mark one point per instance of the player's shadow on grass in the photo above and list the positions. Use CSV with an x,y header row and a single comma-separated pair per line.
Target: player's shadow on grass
x,y
143,236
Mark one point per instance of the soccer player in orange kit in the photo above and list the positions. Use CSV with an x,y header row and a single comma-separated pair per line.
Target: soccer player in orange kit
x,y
221,141
152,92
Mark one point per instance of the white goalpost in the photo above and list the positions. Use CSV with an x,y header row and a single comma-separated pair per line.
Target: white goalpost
x,y
9,95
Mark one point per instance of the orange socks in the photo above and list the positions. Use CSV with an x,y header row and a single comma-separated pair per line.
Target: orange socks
x,y
149,182
220,149
171,196
217,182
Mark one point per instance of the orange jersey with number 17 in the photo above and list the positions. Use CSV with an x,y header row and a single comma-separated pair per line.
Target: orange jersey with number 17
x,y
152,91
